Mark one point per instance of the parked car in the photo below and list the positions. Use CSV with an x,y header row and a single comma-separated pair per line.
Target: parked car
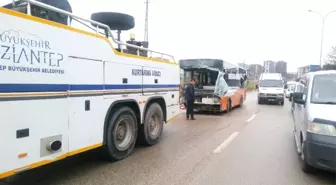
x,y
314,116
289,91
297,88
288,84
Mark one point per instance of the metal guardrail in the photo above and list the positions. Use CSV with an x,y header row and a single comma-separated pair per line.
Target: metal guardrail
x,y
97,25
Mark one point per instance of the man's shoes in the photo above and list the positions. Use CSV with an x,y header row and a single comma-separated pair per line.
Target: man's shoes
x,y
192,118
187,118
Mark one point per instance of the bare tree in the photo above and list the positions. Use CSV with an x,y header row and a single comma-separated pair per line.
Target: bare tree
x,y
330,60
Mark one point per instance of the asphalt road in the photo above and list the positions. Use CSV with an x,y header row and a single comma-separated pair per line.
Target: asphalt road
x,y
249,146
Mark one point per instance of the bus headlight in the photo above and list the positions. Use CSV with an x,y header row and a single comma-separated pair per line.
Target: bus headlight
x,y
322,129
216,100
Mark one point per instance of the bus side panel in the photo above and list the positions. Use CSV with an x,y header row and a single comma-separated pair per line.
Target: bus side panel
x,y
33,87
163,80
86,108
172,100
225,99
123,81
224,102
153,80
240,93
34,121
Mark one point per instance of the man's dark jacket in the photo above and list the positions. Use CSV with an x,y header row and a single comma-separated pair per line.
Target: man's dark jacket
x,y
189,93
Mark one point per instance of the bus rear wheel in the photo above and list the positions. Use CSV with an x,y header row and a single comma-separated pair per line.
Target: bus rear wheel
x,y
121,134
241,101
150,132
228,106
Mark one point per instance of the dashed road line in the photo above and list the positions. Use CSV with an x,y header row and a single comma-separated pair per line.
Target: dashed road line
x,y
225,143
251,118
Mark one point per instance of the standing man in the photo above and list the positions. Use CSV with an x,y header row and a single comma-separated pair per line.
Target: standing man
x,y
242,82
226,75
190,98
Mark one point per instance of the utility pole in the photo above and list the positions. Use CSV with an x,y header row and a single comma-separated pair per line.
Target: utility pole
x,y
146,22
322,32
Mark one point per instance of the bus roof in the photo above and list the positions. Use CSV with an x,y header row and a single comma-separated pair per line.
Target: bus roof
x,y
212,63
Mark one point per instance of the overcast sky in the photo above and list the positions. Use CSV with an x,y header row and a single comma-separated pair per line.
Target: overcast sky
x,y
234,30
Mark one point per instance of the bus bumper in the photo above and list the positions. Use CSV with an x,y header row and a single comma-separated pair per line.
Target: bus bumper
x,y
200,107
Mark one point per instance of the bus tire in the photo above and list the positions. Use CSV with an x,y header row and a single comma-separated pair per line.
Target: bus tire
x,y
241,101
121,134
228,106
150,132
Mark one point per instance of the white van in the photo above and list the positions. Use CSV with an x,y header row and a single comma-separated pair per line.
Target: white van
x,y
271,88
315,120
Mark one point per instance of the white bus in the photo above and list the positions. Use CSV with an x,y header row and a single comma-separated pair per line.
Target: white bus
x,y
64,91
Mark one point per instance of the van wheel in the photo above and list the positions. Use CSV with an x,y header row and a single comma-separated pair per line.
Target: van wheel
x,y
259,101
150,132
305,167
121,134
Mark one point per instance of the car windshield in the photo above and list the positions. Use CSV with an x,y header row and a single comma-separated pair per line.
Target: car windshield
x,y
270,83
323,90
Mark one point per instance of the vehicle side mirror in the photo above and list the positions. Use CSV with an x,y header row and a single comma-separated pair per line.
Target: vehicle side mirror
x,y
298,98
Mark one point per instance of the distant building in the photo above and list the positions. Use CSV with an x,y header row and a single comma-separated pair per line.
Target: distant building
x,y
275,67
269,66
281,67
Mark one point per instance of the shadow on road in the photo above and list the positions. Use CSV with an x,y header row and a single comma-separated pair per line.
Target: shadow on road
x,y
74,167
208,113
60,170
324,176
82,163
204,113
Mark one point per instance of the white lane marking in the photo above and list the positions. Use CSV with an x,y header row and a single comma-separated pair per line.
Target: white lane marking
x,y
251,118
225,143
